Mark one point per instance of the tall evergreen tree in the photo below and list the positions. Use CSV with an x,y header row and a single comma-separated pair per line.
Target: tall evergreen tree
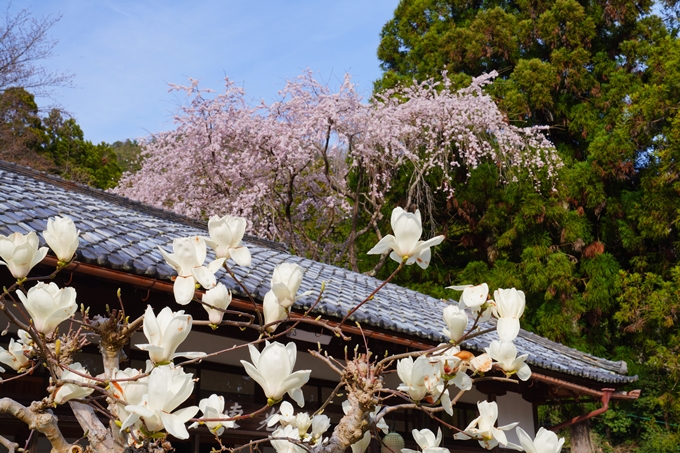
x,y
603,75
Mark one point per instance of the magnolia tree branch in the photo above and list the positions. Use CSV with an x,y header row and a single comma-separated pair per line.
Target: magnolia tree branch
x,y
39,419
9,445
99,436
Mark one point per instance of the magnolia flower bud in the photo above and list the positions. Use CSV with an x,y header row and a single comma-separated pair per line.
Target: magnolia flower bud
x,y
508,309
72,391
285,283
272,310
48,305
456,321
62,237
20,253
218,297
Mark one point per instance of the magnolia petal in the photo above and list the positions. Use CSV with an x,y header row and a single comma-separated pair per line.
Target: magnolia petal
x,y
140,411
272,310
241,256
283,295
130,420
204,276
39,256
458,287
524,372
173,425
507,328
189,355
525,441
254,373
407,229
462,381
169,258
216,265
447,405
384,245
297,396
508,426
499,435
295,381
423,258
184,289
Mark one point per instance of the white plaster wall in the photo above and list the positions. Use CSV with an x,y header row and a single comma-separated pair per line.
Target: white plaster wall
x,y
205,342
513,408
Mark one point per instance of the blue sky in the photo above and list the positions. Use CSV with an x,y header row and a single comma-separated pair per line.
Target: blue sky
x,y
124,53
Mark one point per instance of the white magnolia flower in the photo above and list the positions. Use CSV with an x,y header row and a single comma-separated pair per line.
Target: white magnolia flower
x,y
427,441
168,387
302,422
545,442
187,259
226,234
286,281
482,428
286,415
272,310
456,322
281,445
217,297
508,309
406,243
213,407
25,339
130,392
165,333
453,368
320,424
62,237
48,305
505,353
69,391
420,377
20,253
273,370
14,356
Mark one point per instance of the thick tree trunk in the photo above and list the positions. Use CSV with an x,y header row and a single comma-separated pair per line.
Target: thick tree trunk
x,y
580,438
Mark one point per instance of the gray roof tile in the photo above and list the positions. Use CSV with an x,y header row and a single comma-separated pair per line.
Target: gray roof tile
x,y
123,234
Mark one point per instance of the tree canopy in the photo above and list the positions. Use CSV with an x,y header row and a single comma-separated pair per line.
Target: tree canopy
x,y
603,76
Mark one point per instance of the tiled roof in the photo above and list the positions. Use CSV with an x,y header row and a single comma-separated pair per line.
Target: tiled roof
x,y
122,234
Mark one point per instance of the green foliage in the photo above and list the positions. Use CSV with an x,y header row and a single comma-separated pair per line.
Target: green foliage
x,y
598,258
78,159
54,143
129,155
